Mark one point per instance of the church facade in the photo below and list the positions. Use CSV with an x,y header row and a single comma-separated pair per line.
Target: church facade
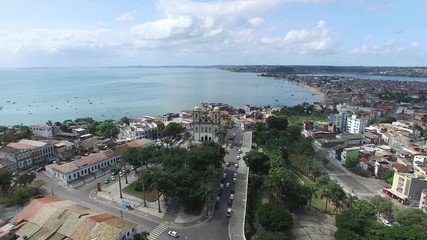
x,y
205,124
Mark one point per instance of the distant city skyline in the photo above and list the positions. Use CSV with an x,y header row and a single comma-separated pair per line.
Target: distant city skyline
x,y
78,33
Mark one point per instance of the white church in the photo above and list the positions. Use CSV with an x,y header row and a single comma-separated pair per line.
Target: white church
x,y
205,124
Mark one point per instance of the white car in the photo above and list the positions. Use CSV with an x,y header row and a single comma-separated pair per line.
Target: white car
x,y
238,157
227,185
224,175
173,234
113,178
231,196
387,223
236,165
221,186
240,150
234,180
235,174
229,212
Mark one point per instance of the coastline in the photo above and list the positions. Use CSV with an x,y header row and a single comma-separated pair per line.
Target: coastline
x,y
315,91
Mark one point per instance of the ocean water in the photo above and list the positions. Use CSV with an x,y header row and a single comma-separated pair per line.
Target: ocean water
x,y
34,96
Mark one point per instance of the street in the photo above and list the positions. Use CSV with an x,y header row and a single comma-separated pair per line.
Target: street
x,y
217,227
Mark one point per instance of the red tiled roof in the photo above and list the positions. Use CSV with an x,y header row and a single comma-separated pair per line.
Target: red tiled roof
x,y
31,209
400,168
20,146
102,217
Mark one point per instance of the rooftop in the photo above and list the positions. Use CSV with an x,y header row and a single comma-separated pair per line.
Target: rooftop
x,y
32,143
56,218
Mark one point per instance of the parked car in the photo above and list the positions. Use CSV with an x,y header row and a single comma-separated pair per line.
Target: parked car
x,y
173,234
234,180
220,192
107,181
235,174
113,178
238,157
127,171
232,190
227,164
236,165
121,174
387,223
132,167
230,202
229,210
221,186
224,175
41,169
227,185
240,151
232,196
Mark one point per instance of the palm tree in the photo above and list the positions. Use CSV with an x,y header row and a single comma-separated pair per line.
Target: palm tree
x,y
326,193
351,200
311,191
221,133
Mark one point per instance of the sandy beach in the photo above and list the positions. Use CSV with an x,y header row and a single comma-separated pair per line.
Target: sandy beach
x,y
316,92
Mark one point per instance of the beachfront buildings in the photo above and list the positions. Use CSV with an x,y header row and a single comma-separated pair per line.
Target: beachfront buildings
x,y
205,124
45,131
407,187
47,150
55,218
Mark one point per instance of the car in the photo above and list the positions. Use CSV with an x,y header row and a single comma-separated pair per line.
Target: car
x,y
221,186
121,174
227,164
173,234
236,165
40,169
238,157
232,190
132,167
240,151
227,185
386,222
216,205
232,196
230,202
224,175
229,211
219,192
107,181
234,180
127,171
113,178
218,199
235,174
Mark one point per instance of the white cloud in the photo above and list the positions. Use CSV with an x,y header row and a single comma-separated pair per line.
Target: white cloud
x,y
412,48
126,16
383,48
256,21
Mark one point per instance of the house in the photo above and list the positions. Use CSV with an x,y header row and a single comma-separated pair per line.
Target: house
x,y
84,166
349,153
22,157
7,165
407,187
423,200
352,139
45,131
56,218
398,167
48,151
328,143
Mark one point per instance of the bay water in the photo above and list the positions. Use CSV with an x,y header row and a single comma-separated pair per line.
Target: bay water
x,y
34,96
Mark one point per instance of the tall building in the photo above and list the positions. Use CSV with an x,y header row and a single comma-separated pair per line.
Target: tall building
x,y
356,125
340,120
205,124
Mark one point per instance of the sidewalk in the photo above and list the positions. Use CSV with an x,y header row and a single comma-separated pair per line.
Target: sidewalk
x,y
172,214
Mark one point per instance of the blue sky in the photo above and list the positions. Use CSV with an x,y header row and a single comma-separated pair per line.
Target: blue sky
x,y
59,33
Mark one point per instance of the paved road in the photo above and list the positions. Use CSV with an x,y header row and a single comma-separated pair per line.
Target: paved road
x,y
360,186
216,228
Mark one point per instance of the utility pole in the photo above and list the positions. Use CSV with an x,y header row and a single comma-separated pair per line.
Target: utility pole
x,y
120,187
142,180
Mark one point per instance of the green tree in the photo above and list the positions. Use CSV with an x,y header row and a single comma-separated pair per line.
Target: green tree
x,y
310,190
412,217
125,120
221,133
388,176
351,163
351,200
258,162
354,220
275,217
173,129
5,179
21,195
396,232
25,179
345,234
107,129
382,205
272,236
279,123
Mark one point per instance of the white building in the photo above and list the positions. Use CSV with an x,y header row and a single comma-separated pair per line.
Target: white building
x,y
340,120
43,130
48,151
356,125
205,124
86,165
423,200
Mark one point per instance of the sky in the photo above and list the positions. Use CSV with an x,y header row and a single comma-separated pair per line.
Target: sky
x,y
92,33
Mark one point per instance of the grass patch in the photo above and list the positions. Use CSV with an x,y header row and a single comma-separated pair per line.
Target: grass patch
x,y
151,196
297,119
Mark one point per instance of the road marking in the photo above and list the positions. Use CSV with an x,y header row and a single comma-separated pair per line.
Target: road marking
x,y
157,231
